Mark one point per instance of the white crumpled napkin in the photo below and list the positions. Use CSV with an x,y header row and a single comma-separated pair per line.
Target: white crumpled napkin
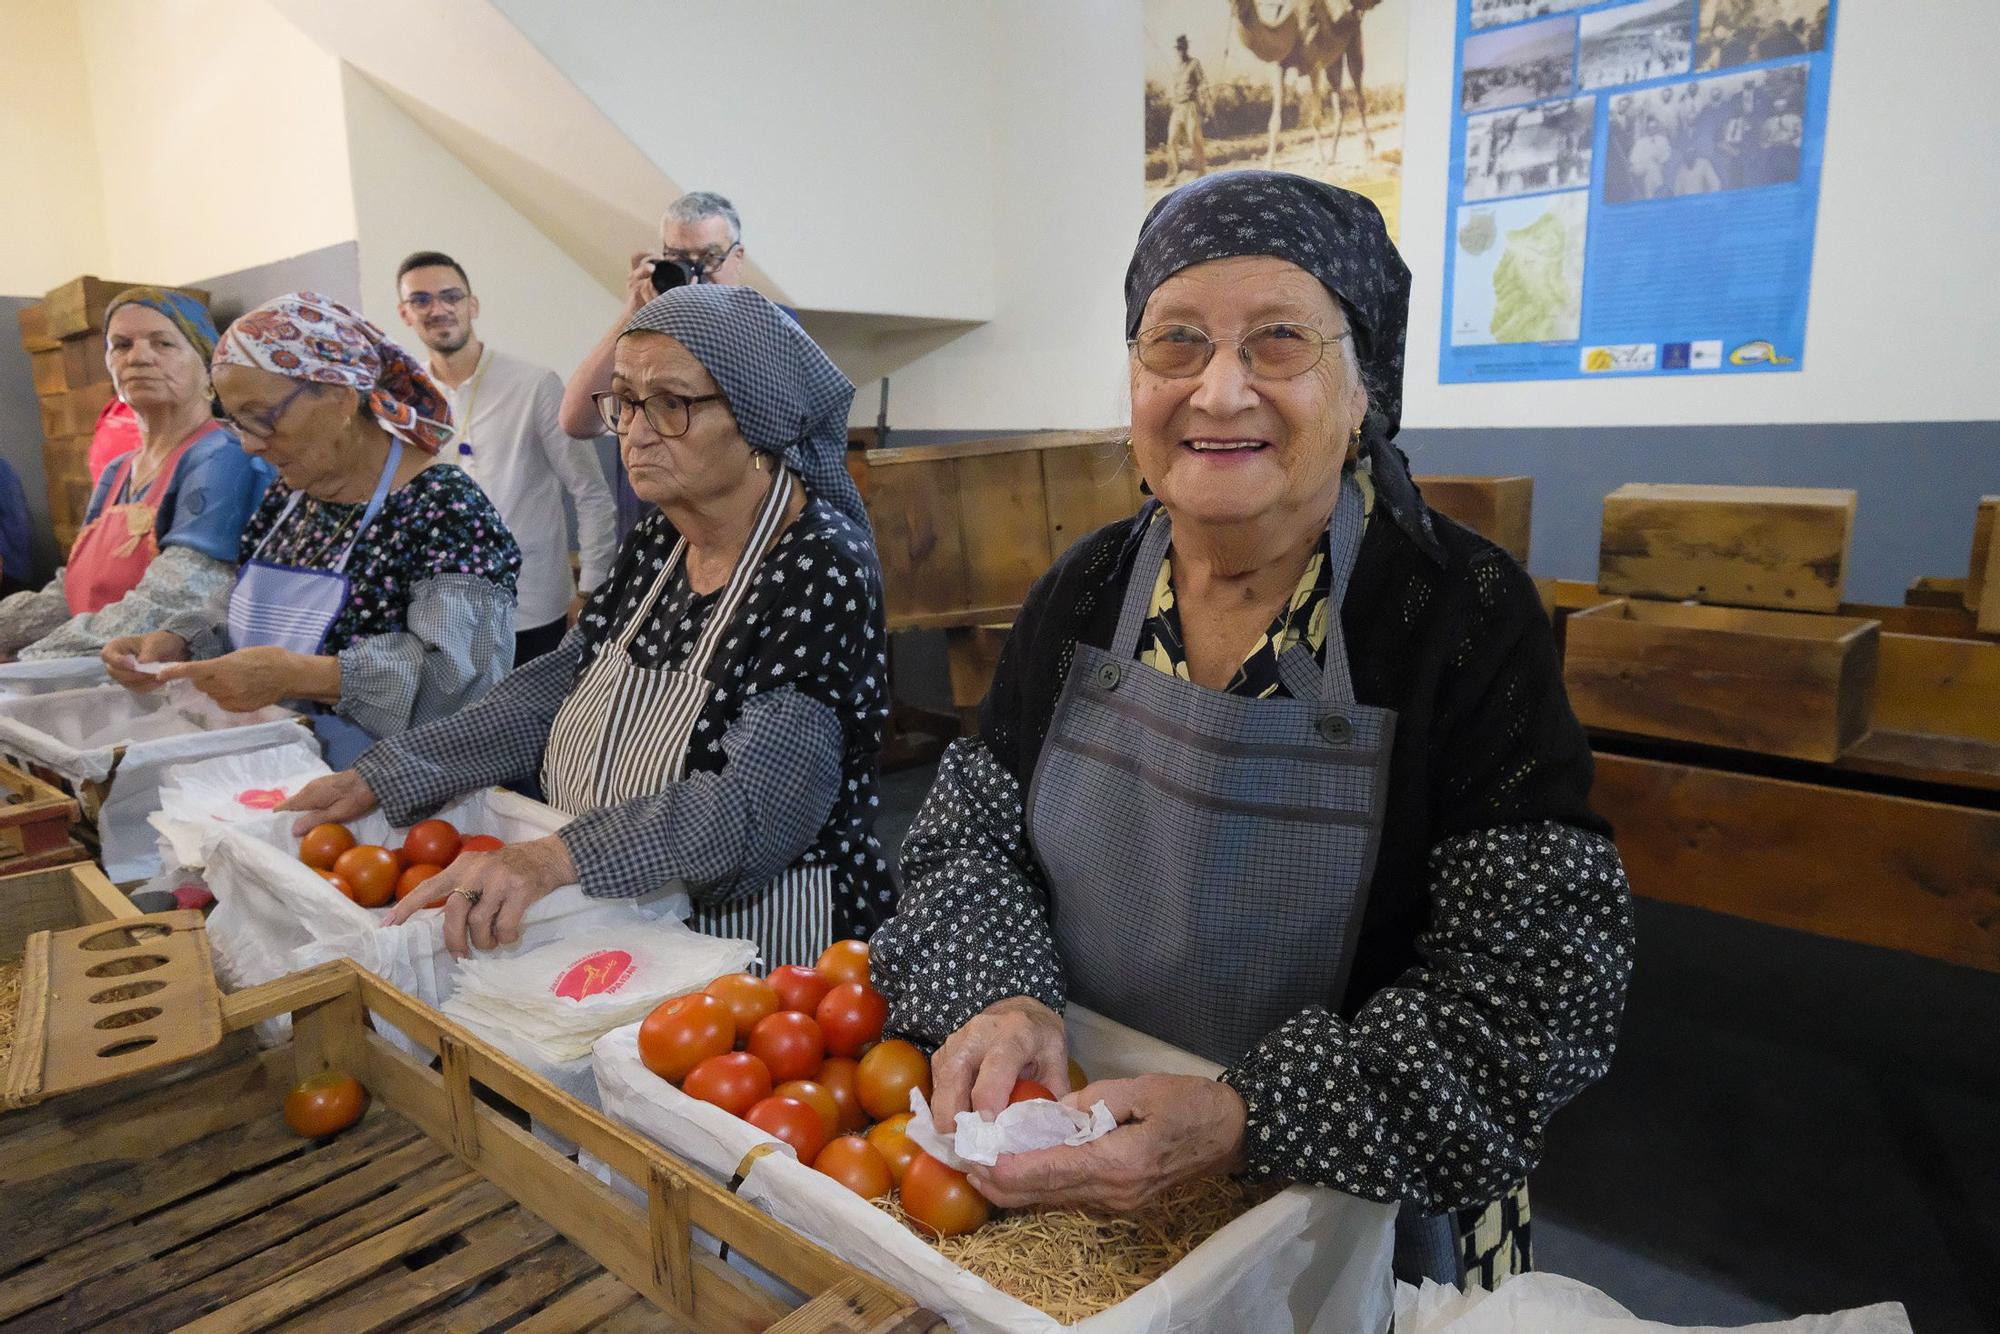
x,y
1021,1128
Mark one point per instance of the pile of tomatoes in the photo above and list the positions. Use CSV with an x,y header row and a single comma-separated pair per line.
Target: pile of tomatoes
x,y
372,875
800,1056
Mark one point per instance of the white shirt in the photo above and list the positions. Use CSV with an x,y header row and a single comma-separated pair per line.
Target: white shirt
x,y
509,438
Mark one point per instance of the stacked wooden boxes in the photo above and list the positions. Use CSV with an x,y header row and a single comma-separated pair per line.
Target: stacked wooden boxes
x,y
63,335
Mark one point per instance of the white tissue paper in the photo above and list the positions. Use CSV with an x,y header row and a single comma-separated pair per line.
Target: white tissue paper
x,y
1022,1128
1534,1303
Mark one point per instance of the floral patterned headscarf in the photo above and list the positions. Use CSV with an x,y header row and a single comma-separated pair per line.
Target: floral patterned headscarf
x,y
305,336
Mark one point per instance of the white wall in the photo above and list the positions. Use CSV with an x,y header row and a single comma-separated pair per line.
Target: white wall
x,y
411,194
219,144
52,225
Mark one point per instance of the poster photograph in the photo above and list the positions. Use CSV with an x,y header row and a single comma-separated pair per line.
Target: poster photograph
x,y
1307,86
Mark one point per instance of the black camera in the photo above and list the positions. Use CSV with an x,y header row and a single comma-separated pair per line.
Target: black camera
x,y
671,273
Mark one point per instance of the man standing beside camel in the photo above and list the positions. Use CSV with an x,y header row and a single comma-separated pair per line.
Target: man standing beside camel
x,y
1191,92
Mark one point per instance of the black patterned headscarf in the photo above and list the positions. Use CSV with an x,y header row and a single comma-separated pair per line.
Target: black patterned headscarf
x,y
788,398
1335,235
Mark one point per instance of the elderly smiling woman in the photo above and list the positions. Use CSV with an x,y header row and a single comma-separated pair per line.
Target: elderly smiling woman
x,y
1279,771
714,716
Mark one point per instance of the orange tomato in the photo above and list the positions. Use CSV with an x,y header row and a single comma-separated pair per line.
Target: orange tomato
x,y
853,1162
798,988
1027,1090
372,871
837,1077
480,843
942,1199
325,1104
789,1043
431,843
735,1081
887,1074
1077,1079
792,1122
413,877
749,998
337,883
852,1016
844,961
815,1096
323,844
894,1144
683,1032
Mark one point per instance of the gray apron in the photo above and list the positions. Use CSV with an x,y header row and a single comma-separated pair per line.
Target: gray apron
x,y
623,733
1208,855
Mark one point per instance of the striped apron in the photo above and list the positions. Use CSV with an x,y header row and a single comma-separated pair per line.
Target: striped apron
x,y
623,733
1208,855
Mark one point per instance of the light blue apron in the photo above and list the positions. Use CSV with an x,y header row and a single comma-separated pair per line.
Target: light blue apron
x,y
293,607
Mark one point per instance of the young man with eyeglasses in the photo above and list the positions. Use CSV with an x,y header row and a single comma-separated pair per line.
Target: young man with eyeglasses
x,y
508,434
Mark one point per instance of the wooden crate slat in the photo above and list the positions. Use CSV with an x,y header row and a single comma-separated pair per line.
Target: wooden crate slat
x,y
390,1300
1087,487
1979,570
1948,687
526,1287
917,530
1499,509
1003,509
1920,757
584,1307
847,1308
93,1257
1780,547
34,322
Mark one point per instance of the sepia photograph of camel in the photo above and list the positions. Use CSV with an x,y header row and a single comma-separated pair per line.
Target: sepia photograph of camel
x,y
1307,86
1739,32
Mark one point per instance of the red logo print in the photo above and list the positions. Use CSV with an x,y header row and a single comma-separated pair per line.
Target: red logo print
x,y
595,974
261,798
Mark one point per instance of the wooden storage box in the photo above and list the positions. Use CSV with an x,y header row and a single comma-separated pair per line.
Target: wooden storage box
x,y
1499,509
53,899
34,823
1982,577
78,305
151,1204
74,412
34,323
1742,546
1776,683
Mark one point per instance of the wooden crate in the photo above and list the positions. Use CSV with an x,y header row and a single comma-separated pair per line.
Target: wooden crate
x,y
1777,683
168,1205
1779,547
973,654
34,322
1909,875
1499,509
55,899
34,823
78,305
1983,583
1939,687
47,370
74,412
66,470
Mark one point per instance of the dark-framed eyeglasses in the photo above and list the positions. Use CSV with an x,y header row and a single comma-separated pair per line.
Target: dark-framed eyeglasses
x,y
264,425
667,414
1278,351
451,298
703,261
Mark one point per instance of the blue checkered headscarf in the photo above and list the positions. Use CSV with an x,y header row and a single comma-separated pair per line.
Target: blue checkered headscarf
x,y
788,398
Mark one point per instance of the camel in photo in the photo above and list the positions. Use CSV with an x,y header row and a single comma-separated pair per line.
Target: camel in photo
x,y
1307,37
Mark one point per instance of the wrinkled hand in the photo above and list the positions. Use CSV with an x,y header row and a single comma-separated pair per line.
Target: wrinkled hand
x,y
248,679
122,652
639,283
506,883
334,799
1170,1128
975,1069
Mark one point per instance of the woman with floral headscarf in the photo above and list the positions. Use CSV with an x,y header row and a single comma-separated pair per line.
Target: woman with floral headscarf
x,y
713,718
1280,771
377,583
159,537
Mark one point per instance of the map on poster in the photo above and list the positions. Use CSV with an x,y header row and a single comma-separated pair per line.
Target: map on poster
x,y
1634,186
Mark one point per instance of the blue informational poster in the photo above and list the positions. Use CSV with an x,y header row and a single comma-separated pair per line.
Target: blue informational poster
x,y
1634,186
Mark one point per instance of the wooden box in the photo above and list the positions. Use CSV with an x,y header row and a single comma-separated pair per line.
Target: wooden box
x,y
66,470
34,823
75,411
47,369
1982,577
1743,546
34,322
1499,509
1938,687
55,899
151,1204
1776,683
78,305
74,364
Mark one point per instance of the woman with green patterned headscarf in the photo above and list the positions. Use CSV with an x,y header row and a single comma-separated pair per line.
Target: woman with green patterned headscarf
x,y
161,532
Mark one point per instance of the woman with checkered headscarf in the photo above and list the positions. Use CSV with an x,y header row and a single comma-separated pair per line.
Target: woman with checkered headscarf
x,y
1279,771
712,720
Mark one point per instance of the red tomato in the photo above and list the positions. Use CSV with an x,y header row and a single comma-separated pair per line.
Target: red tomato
x,y
683,1032
1027,1090
480,843
337,883
735,1081
836,1076
816,1097
323,844
413,877
431,843
853,1162
887,1074
325,1104
789,1043
852,1016
940,1198
792,1122
748,998
799,988
896,1147
372,871
844,961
